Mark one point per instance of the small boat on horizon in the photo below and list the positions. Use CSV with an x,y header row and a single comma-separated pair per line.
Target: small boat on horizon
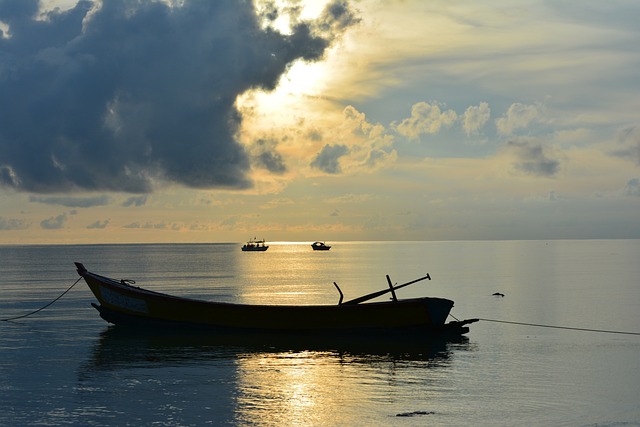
x,y
320,246
121,303
255,245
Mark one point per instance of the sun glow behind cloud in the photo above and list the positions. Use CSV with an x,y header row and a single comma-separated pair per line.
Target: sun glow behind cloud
x,y
420,120
531,140
300,82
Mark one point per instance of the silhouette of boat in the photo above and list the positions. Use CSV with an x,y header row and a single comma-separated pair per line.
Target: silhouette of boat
x,y
121,303
254,245
320,246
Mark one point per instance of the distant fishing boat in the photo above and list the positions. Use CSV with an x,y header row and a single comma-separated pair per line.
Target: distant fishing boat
x,y
121,303
255,245
320,246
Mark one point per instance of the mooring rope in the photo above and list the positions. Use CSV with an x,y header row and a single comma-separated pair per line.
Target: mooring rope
x,y
561,327
42,308
538,325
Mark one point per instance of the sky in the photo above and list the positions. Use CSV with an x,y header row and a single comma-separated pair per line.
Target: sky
x,y
198,121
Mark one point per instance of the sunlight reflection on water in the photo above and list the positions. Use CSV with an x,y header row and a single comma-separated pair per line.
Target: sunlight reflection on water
x,y
66,366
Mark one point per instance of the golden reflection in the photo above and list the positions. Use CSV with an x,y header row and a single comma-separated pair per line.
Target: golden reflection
x,y
288,273
313,388
290,389
278,380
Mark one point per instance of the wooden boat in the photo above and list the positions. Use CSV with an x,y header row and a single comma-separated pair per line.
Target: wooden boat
x,y
121,303
320,246
254,245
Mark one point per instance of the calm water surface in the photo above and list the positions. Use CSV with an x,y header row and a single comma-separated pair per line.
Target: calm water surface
x,y
66,366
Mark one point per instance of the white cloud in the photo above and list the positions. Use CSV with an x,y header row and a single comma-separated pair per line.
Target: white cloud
x,y
426,119
475,117
519,116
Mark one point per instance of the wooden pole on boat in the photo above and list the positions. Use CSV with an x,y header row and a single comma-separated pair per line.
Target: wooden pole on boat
x,y
393,292
391,289
339,290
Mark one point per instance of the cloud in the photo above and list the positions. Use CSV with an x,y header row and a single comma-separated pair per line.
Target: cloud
x,y
149,225
328,160
55,223
136,201
266,157
336,18
378,158
153,226
475,117
629,140
124,96
372,147
426,119
72,202
534,158
275,203
518,116
353,198
98,225
13,224
633,187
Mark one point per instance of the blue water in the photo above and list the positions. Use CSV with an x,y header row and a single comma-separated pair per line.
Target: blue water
x,y
66,366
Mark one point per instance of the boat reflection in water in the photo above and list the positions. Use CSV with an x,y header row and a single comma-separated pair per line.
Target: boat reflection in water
x,y
248,381
120,347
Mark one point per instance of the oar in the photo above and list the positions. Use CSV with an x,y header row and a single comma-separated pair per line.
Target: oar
x,y
391,289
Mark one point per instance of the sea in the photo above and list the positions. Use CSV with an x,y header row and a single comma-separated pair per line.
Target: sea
x,y
560,348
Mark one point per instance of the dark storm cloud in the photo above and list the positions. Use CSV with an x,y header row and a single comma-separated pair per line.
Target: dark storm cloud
x,y
533,158
124,94
328,160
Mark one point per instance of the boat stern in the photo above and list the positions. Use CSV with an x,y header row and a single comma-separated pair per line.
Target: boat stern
x,y
438,309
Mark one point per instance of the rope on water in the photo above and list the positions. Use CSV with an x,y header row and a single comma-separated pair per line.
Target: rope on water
x,y
561,327
42,308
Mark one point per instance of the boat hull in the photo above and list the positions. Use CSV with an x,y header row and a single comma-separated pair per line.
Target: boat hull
x,y
122,303
254,248
320,246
